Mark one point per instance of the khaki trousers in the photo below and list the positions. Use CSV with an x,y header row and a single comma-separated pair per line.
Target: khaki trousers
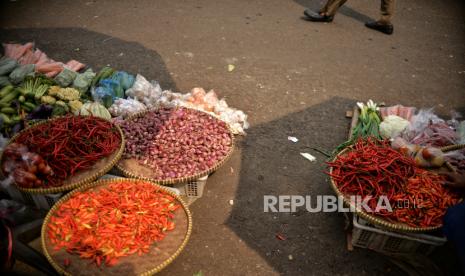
x,y
387,9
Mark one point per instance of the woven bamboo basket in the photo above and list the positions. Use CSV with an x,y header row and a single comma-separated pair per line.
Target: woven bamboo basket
x,y
147,264
400,227
87,176
171,181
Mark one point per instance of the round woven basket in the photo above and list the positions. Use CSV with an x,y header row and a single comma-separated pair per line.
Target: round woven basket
x,y
400,227
82,177
159,256
171,181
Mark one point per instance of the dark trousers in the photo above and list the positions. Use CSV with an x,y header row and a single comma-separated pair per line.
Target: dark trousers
x,y
387,9
454,229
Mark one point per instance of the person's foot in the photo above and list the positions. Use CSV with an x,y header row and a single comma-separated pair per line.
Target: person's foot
x,y
316,17
381,27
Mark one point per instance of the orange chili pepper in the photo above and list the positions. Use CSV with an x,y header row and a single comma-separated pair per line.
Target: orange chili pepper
x,y
118,220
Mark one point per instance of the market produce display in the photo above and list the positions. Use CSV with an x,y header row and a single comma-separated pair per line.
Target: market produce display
x,y
372,168
67,144
176,143
112,222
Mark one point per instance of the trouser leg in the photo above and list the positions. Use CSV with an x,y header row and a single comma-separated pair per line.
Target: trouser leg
x,y
332,6
387,11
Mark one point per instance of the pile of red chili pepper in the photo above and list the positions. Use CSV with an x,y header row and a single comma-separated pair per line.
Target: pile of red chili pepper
x,y
70,144
117,220
372,168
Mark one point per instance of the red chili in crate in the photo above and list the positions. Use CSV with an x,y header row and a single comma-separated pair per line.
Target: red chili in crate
x,y
372,168
114,221
68,145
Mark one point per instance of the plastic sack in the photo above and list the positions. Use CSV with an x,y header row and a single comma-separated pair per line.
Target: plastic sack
x,y
124,79
424,117
461,132
66,77
7,65
145,92
126,107
102,95
21,72
4,81
82,81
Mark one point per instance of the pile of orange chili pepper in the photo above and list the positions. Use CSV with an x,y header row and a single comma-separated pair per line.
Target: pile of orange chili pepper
x,y
71,144
117,220
372,168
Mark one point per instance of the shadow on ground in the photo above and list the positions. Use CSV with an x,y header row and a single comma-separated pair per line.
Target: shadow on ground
x,y
94,49
272,165
316,5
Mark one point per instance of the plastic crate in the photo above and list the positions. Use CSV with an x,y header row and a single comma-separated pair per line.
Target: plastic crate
x,y
190,191
366,235
44,202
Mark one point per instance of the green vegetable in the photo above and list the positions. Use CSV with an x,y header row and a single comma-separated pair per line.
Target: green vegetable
x,y
6,90
22,99
8,110
30,105
107,101
59,110
15,119
95,109
106,72
40,91
6,119
11,96
368,125
26,108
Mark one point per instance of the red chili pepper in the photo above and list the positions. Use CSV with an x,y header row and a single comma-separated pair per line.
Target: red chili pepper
x,y
373,168
71,144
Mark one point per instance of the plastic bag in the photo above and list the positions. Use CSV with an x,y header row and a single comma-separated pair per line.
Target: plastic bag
x,y
66,77
124,79
21,72
7,65
424,117
126,107
145,92
82,81
4,81
461,132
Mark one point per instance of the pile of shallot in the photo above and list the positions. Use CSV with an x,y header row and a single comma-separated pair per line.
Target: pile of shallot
x,y
178,142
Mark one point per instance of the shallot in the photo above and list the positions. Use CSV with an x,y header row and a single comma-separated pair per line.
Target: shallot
x,y
176,142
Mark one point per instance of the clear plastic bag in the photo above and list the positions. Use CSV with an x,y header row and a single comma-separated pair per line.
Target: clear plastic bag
x,y
7,65
17,76
66,77
82,81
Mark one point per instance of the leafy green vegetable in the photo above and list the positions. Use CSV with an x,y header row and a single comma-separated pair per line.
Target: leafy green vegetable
x,y
367,125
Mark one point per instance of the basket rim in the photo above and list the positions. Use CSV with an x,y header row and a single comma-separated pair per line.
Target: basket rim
x,y
73,185
172,181
372,218
104,182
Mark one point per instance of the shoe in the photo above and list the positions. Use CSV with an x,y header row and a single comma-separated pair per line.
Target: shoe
x,y
316,17
381,27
